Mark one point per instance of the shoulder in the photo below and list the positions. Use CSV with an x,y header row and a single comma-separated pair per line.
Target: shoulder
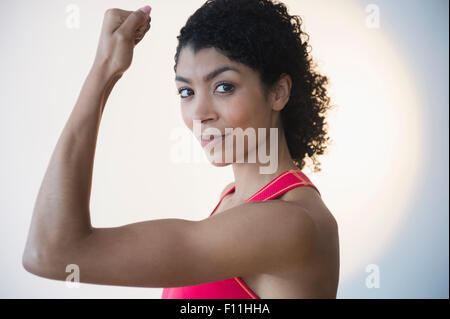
x,y
291,214
265,236
284,216
303,194
311,201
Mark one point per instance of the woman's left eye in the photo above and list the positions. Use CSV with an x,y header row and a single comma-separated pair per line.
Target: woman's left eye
x,y
227,87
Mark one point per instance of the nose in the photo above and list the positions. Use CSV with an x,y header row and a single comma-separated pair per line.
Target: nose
x,y
203,108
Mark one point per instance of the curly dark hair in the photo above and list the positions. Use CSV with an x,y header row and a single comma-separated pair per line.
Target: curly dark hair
x,y
263,36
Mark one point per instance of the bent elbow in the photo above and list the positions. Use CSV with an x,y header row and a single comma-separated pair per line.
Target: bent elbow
x,y
32,260
37,263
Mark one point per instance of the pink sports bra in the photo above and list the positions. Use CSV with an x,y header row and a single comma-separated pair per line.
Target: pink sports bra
x,y
235,288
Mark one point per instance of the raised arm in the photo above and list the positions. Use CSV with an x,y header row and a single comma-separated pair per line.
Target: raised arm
x,y
61,214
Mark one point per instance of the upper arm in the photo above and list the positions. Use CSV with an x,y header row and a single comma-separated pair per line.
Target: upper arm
x,y
255,237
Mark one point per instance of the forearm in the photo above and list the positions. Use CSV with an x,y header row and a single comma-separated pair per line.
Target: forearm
x,y
61,214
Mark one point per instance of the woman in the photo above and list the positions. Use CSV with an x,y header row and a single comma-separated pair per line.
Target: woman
x,y
239,64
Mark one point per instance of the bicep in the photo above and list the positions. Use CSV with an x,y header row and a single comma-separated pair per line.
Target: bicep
x,y
145,254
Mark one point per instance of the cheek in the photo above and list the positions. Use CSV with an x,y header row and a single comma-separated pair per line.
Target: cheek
x,y
186,119
240,114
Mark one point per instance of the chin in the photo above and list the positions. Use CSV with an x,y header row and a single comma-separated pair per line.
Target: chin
x,y
217,160
219,164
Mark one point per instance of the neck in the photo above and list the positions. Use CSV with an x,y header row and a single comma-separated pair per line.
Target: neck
x,y
248,177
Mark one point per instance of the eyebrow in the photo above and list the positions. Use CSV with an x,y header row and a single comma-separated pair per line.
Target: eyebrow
x,y
210,75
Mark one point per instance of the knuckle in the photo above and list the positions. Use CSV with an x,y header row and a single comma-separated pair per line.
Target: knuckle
x,y
138,14
111,12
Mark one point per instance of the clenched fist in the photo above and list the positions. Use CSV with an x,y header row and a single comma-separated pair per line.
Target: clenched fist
x,y
121,31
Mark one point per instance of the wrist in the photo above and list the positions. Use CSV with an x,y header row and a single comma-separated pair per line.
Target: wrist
x,y
101,72
102,78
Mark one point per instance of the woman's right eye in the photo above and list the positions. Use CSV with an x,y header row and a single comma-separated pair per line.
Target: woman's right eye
x,y
183,92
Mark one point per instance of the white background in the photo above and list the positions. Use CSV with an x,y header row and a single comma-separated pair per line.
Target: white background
x,y
385,179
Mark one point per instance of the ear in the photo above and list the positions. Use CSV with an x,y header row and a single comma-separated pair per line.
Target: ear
x,y
281,92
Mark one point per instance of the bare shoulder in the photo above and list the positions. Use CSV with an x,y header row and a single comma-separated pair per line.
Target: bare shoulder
x,y
309,198
266,234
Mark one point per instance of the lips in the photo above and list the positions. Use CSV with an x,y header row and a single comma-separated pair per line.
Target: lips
x,y
206,139
210,137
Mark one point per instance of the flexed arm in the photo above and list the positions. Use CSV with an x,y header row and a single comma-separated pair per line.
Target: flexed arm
x,y
252,238
61,215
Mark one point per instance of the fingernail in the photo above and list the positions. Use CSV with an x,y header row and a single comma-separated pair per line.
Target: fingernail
x,y
146,9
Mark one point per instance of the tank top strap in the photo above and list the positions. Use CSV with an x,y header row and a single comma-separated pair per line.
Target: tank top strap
x,y
281,184
223,196
278,186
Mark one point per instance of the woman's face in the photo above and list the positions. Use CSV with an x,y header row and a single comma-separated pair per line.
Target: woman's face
x,y
219,93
